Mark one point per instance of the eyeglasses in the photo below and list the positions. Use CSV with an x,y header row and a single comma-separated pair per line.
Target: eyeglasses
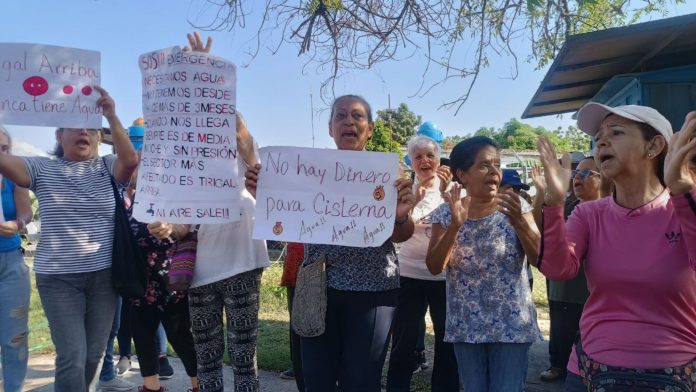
x,y
584,173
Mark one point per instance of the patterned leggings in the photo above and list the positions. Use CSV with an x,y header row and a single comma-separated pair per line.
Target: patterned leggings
x,y
239,295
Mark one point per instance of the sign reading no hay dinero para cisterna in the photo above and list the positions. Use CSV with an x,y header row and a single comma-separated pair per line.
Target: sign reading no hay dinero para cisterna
x,y
322,196
188,169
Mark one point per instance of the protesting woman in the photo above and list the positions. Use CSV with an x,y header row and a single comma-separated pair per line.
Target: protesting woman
x,y
418,288
362,283
481,242
73,258
227,276
638,248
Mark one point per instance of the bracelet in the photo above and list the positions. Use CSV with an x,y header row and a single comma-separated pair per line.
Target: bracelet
x,y
403,221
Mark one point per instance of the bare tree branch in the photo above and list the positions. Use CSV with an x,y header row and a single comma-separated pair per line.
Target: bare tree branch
x,y
339,35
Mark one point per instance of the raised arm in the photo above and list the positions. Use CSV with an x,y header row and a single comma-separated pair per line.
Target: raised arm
x,y
562,247
15,169
678,178
442,239
538,202
126,156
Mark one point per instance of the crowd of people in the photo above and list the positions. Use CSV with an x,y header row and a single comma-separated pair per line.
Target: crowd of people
x,y
613,233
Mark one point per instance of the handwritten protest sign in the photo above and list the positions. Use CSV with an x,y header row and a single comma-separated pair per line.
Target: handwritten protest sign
x,y
49,86
326,196
188,168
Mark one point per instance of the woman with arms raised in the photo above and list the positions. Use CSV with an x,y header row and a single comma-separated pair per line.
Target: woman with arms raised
x,y
73,257
638,247
481,242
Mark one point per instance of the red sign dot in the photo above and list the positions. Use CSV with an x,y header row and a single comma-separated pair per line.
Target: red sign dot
x,y
87,90
68,90
35,86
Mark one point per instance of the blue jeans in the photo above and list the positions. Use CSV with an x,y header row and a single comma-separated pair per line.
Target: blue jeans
x,y
494,367
80,309
108,372
161,340
15,289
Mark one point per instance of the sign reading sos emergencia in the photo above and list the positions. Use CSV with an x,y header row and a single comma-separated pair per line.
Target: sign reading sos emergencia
x,y
322,196
188,169
49,86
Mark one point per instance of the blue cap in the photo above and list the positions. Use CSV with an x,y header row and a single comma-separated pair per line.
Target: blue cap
x,y
512,178
136,133
428,129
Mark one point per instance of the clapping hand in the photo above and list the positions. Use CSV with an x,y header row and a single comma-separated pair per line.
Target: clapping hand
x,y
682,148
510,205
557,176
459,207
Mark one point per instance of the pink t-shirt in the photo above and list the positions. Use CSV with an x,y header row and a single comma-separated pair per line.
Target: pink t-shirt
x,y
641,274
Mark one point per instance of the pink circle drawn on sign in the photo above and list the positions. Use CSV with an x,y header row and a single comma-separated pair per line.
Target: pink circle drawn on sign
x,y
68,89
35,86
87,90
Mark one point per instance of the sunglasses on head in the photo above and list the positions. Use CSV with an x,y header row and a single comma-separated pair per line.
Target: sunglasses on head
x,y
584,173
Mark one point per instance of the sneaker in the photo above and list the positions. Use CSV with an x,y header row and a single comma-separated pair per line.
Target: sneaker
x,y
192,390
552,374
143,389
116,384
288,374
166,371
123,365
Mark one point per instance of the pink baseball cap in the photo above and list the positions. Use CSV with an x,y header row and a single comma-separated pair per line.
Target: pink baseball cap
x,y
591,115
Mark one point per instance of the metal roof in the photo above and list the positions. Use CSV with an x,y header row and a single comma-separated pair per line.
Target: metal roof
x,y
587,61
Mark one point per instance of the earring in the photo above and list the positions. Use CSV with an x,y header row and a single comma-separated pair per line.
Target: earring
x,y
649,155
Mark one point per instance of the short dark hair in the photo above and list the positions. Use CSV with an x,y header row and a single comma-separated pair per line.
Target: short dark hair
x,y
463,155
358,98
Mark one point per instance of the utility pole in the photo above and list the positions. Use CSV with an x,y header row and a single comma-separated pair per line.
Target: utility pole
x,y
311,109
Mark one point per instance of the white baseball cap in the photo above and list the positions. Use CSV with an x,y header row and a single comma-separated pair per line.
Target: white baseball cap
x,y
591,115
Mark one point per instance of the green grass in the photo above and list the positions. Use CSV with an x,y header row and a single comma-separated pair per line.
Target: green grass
x,y
273,346
273,340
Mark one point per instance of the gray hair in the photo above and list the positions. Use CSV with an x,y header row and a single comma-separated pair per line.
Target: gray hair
x,y
420,141
3,131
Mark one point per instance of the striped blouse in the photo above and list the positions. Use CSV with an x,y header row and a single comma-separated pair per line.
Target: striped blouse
x,y
76,206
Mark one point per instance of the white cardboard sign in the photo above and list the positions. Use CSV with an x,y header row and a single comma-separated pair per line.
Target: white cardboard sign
x,y
49,86
188,169
326,196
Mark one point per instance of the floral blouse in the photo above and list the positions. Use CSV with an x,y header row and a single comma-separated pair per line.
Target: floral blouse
x,y
158,256
488,296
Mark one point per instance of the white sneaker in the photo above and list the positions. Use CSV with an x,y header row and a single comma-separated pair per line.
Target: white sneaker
x,y
117,384
123,365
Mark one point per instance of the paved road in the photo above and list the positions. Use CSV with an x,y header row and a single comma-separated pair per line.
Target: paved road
x,y
41,371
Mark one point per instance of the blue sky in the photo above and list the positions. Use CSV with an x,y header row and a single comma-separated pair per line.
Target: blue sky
x,y
273,91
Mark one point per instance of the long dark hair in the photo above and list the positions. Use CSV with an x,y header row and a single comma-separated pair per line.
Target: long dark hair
x,y
463,155
58,151
648,134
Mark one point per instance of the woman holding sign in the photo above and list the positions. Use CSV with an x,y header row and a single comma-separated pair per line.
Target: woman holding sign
x,y
362,283
227,276
481,242
15,285
73,258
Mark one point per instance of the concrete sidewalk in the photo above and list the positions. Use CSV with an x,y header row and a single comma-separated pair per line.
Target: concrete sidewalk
x,y
41,372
